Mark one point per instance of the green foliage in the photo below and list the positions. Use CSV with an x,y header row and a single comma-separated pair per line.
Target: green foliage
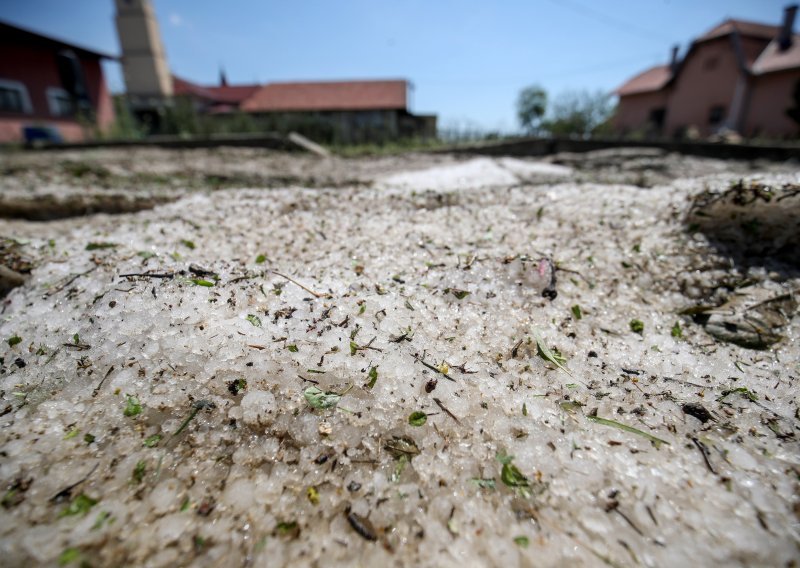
x,y
125,126
531,106
579,114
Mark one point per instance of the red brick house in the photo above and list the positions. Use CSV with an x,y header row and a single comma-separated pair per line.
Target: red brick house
x,y
50,85
739,76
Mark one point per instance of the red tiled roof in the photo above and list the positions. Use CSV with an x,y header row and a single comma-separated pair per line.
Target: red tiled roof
x,y
181,87
334,95
773,59
745,28
651,80
231,94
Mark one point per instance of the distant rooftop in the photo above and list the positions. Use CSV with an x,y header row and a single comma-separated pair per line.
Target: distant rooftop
x,y
745,28
651,80
329,96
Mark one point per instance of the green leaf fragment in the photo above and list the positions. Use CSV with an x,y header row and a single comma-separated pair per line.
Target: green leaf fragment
x,y
744,391
14,340
80,505
132,407
139,471
399,467
522,541
373,377
100,246
676,330
101,518
459,294
417,418
201,282
512,476
69,556
253,319
188,244
145,254
292,348
624,427
72,433
570,406
353,347
576,311
317,398
89,438
152,441
484,483
524,409
546,354
287,528
260,259
637,326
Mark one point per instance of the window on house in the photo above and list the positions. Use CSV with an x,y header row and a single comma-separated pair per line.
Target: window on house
x,y
657,117
716,115
60,102
14,97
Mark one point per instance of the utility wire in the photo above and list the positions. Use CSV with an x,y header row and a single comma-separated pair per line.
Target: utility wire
x,y
575,72
610,20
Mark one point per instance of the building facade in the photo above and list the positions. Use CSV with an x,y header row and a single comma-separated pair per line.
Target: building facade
x,y
741,77
50,89
327,111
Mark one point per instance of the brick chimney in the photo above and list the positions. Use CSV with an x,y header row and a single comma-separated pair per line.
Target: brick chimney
x,y
787,28
673,60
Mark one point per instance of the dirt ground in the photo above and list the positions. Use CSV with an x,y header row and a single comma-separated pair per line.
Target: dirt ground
x,y
241,357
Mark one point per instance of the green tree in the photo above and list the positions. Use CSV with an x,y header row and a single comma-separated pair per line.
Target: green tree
x,y
531,106
579,114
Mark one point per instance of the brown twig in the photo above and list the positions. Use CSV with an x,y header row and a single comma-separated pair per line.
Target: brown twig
x,y
148,275
450,414
432,368
309,290
71,280
704,451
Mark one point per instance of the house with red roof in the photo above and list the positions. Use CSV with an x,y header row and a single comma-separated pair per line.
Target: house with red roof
x,y
346,111
739,76
50,89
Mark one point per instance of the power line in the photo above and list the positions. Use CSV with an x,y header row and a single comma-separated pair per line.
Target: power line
x,y
575,72
610,20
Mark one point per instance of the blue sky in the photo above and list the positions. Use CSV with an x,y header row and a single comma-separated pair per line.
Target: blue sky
x,y
467,59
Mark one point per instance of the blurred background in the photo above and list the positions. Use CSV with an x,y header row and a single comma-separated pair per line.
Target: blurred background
x,y
358,71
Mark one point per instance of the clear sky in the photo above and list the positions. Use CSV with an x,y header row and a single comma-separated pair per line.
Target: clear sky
x,y
467,59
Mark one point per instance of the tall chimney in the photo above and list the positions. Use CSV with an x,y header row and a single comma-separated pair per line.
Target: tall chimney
x,y
673,60
144,64
785,35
